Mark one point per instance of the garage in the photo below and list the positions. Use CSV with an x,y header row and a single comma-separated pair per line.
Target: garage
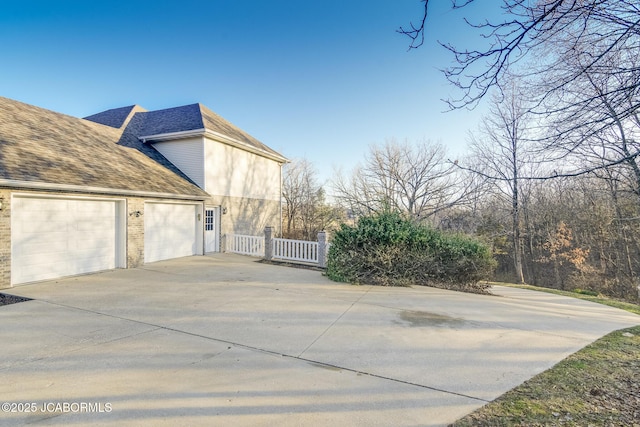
x,y
54,237
171,231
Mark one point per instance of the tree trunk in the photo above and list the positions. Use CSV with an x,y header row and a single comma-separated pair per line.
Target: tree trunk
x,y
517,244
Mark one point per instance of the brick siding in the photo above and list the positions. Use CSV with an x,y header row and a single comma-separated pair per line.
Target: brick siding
x,y
135,232
247,216
5,239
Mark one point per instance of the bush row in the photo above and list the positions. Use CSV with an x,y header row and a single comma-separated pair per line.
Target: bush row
x,y
389,250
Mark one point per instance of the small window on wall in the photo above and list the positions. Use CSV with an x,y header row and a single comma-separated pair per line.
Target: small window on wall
x,y
208,219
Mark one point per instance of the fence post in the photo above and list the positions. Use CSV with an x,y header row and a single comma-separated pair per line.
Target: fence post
x,y
268,243
322,249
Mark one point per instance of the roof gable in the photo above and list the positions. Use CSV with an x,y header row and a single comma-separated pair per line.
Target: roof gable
x,y
39,145
196,117
217,124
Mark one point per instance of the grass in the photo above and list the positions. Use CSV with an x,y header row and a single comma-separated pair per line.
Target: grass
x,y
596,386
627,306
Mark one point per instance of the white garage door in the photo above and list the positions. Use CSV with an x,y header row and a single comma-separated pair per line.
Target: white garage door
x,y
169,231
53,237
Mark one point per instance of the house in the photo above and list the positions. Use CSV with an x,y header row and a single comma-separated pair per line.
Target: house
x,y
126,187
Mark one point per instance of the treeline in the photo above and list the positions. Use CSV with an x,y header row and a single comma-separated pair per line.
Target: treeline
x,y
552,179
572,233
578,233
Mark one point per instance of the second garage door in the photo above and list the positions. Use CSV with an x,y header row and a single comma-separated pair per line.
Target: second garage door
x,y
170,231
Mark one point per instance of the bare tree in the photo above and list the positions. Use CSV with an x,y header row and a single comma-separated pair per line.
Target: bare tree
x,y
561,47
499,151
601,27
301,192
306,211
614,142
414,179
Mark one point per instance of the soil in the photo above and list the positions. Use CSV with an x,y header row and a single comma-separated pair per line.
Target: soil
x,y
6,299
291,264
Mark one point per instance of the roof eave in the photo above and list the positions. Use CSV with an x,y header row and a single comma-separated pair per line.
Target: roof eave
x,y
218,137
172,135
247,147
47,186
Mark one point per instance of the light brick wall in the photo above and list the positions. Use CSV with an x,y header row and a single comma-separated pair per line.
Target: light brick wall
x,y
5,239
247,216
135,232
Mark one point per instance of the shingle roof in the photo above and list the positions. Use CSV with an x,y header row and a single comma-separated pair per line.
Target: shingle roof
x,y
38,145
170,120
215,123
195,117
116,117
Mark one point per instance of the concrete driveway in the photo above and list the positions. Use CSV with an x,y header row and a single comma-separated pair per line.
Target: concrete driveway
x,y
225,341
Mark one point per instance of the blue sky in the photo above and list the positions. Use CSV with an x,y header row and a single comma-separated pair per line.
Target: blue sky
x,y
321,80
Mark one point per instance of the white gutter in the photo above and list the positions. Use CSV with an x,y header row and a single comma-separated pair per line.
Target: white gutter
x,y
34,185
248,147
173,135
281,188
218,137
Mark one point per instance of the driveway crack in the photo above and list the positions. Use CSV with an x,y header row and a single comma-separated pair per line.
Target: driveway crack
x,y
334,322
262,350
382,377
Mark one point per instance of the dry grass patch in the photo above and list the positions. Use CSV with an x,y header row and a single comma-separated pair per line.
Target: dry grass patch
x,y
600,299
597,386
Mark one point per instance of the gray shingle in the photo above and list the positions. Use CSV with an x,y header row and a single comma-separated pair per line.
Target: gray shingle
x,y
40,145
171,120
115,117
215,123
194,117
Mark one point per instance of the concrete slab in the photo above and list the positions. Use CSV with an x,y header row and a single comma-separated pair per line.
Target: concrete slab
x,y
167,378
224,340
438,351
35,330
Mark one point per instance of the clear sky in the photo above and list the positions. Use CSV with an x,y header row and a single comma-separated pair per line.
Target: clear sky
x,y
315,79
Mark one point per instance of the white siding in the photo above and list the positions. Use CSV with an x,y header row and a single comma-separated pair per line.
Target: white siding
x,y
187,155
237,173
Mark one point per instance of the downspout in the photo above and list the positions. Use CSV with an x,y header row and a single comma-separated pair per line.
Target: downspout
x,y
281,166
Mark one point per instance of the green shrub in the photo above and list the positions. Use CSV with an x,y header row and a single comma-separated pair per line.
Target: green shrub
x,y
389,250
586,292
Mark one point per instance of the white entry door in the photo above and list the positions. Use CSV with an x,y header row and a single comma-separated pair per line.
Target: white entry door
x,y
212,229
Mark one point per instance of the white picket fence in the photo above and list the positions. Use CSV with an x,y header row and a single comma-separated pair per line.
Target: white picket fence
x,y
295,250
245,245
269,247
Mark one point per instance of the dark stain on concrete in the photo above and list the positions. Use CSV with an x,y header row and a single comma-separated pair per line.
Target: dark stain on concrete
x,y
424,318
